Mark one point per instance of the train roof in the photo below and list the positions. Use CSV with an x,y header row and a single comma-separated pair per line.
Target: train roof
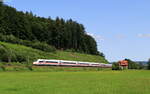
x,y
68,61
47,60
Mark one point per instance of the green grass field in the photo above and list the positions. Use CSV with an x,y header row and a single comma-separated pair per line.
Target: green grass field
x,y
100,82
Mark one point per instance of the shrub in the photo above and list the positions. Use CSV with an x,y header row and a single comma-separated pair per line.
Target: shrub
x,y
141,66
20,57
70,50
34,44
133,65
115,66
2,51
2,67
43,46
17,66
148,64
8,55
30,68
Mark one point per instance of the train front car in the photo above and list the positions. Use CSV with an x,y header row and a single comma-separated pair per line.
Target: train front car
x,y
44,62
39,62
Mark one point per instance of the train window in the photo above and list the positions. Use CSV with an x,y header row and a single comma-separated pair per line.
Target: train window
x,y
51,62
41,61
84,63
95,64
68,63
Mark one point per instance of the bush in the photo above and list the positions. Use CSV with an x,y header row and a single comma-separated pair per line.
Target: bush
x,y
71,50
2,67
34,44
115,66
148,64
20,57
141,66
2,50
43,46
8,55
30,68
133,65
9,38
17,66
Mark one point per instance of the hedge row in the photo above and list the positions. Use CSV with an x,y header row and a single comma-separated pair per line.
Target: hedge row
x,y
34,44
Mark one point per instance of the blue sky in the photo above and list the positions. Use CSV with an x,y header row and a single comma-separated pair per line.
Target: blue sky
x,y
120,27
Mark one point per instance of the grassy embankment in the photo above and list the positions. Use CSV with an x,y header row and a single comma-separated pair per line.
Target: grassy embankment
x,y
103,82
34,54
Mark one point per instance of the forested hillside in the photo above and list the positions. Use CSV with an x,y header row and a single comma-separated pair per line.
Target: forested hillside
x,y
60,33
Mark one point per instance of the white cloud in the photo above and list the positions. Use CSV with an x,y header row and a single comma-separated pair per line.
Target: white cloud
x,y
144,35
90,34
97,37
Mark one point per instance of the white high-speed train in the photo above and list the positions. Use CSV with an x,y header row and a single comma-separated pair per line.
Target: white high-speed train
x,y
45,62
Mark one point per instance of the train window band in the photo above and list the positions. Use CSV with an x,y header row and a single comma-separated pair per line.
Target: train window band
x,y
83,63
51,62
41,61
94,64
68,63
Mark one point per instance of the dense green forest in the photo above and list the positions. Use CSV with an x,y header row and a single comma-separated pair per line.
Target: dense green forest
x,y
59,33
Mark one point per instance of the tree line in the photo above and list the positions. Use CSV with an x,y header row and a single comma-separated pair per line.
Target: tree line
x,y
132,65
60,33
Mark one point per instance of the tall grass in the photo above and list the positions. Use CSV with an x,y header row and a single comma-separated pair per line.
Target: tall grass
x,y
24,67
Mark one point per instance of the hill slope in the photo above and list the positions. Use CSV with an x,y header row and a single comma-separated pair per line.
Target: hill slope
x,y
60,33
34,54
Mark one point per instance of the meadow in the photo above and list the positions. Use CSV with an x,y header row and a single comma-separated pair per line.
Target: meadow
x,y
34,54
91,82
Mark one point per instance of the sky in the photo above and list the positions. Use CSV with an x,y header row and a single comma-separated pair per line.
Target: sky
x,y
120,27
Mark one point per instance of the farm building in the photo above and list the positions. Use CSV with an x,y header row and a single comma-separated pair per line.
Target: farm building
x,y
123,64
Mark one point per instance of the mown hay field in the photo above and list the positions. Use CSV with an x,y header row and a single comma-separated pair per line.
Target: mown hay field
x,y
100,82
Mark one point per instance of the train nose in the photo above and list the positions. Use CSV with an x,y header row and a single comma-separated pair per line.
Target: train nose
x,y
34,63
